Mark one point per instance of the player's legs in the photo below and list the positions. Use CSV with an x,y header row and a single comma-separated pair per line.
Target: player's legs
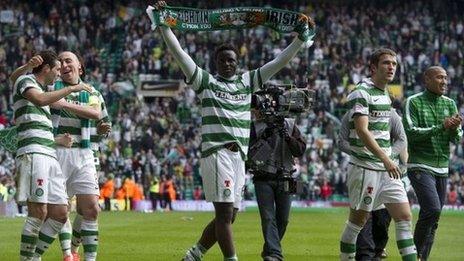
x,y
82,182
65,236
37,212
223,227
57,207
362,188
46,199
208,237
88,208
221,187
207,240
401,214
356,220
430,191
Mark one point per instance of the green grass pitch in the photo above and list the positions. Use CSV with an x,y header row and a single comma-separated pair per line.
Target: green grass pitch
x,y
312,234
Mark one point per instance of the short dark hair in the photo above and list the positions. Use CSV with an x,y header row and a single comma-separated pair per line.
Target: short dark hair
x,y
225,47
376,54
49,57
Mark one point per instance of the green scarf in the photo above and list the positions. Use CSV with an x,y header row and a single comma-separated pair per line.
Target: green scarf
x,y
85,123
191,19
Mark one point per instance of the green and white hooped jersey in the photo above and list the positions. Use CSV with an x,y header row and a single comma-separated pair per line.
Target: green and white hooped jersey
x,y
35,129
225,109
366,99
67,122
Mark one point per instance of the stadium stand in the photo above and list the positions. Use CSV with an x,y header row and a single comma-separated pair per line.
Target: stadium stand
x,y
160,136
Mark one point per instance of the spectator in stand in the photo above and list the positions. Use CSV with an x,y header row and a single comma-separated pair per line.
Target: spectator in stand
x,y
107,191
155,193
326,191
198,193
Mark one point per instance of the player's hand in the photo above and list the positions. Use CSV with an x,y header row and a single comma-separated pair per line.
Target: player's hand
x,y
393,170
81,87
34,62
65,140
160,5
59,104
311,23
103,128
456,121
452,123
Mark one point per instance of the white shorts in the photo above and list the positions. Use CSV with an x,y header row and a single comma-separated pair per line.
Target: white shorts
x,y
369,189
223,174
78,166
40,180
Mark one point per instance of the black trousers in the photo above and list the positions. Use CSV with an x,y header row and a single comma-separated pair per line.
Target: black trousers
x,y
274,208
374,236
430,191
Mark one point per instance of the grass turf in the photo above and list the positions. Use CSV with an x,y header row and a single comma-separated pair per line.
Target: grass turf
x,y
312,234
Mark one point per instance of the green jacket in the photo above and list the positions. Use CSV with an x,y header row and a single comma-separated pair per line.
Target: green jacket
x,y
428,140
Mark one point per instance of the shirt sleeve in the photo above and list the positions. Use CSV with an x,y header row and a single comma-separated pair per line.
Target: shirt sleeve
x,y
253,79
25,84
344,134
398,135
358,102
414,132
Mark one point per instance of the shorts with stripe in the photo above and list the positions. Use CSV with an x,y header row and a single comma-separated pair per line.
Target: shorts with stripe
x,y
223,174
369,189
40,179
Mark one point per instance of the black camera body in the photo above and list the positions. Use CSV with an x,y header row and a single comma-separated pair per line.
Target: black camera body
x,y
276,102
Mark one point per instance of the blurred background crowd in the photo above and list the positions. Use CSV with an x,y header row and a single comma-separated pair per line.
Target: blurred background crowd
x,y
157,139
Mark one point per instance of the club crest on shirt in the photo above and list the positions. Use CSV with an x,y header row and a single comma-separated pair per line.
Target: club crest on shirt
x,y
367,200
39,192
227,192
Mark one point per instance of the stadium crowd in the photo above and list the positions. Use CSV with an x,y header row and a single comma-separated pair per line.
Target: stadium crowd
x,y
159,137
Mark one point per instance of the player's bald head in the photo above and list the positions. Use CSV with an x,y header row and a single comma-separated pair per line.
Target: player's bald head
x,y
436,80
432,70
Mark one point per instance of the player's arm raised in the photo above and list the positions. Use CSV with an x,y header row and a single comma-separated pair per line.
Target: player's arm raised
x,y
186,63
283,58
31,64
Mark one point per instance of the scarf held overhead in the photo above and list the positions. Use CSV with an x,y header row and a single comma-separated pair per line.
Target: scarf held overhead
x,y
190,19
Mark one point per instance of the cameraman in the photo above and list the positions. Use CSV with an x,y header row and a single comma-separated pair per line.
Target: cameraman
x,y
272,148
